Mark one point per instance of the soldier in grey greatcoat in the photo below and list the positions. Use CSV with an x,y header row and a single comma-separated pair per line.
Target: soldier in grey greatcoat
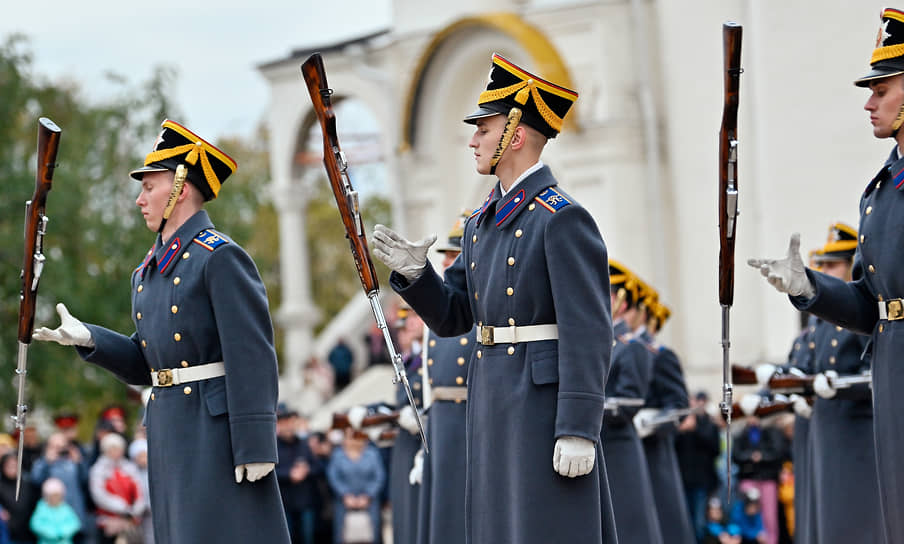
x,y
203,338
533,277
442,484
871,303
630,375
667,394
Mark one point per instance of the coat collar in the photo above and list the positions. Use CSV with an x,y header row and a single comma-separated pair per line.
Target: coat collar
x,y
893,169
164,255
506,209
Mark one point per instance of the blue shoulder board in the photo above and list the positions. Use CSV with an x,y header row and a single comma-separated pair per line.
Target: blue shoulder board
x,y
210,239
552,200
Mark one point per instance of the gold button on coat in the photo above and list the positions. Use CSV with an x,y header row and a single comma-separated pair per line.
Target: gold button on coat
x,y
144,343
430,361
177,280
862,238
476,296
184,364
152,396
531,207
812,345
512,321
140,288
473,264
518,233
463,341
509,291
881,327
459,380
177,337
138,315
511,261
174,309
461,361
479,354
187,390
832,360
872,269
869,210
186,255
511,350
834,342
432,343
474,238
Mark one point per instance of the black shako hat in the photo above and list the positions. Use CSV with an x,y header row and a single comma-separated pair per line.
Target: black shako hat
x,y
543,104
888,56
207,167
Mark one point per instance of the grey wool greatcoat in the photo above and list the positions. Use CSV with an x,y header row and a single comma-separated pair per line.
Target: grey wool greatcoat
x,y
402,495
197,300
801,358
442,499
636,519
844,480
854,306
667,392
531,257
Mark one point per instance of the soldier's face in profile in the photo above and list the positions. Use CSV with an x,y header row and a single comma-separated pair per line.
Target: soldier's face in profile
x,y
839,269
449,258
155,190
884,104
485,139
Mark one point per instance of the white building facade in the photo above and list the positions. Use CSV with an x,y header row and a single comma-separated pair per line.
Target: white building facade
x,y
639,149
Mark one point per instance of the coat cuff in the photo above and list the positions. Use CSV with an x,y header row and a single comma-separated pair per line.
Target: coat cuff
x,y
253,438
579,414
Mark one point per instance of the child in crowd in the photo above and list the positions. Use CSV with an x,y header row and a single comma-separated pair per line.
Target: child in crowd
x,y
54,521
748,517
718,531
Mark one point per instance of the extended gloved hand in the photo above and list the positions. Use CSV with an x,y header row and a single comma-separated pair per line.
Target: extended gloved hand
x,y
255,471
749,404
356,416
787,275
643,421
408,420
416,476
801,406
71,331
822,384
764,373
573,456
406,258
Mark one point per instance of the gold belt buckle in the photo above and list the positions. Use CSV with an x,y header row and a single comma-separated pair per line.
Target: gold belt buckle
x,y
895,309
165,378
486,336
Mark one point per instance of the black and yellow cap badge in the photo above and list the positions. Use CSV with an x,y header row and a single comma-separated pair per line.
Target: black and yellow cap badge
x,y
888,54
543,104
624,283
208,167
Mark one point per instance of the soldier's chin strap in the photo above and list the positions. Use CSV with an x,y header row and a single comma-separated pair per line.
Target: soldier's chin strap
x,y
178,184
514,117
899,120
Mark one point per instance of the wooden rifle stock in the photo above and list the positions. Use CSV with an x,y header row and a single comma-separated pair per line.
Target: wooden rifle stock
x,y
766,408
728,161
336,169
340,421
743,375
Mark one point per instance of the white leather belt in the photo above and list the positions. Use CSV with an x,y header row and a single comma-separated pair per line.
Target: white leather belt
x,y
891,310
168,377
451,393
489,336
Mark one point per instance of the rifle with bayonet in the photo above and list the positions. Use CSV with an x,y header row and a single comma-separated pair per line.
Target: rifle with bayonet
x,y
341,421
647,420
347,201
778,404
728,208
32,266
795,381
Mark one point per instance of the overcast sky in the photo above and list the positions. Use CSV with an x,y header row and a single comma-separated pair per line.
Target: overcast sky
x,y
215,46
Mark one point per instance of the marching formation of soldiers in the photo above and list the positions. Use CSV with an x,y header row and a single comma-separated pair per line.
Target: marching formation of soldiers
x,y
552,407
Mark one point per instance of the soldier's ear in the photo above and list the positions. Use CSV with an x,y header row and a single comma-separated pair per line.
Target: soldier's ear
x,y
519,138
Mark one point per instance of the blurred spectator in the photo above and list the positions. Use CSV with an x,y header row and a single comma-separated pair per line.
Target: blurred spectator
x,y
32,448
377,352
16,514
116,491
67,423
341,359
295,471
319,383
54,521
138,453
62,461
697,446
747,515
7,444
759,451
718,529
356,474
323,521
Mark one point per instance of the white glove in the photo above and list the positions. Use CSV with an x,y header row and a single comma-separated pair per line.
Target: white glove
x,y
764,373
643,419
749,404
408,420
573,456
416,476
356,416
801,406
787,275
406,258
373,433
822,384
256,471
71,331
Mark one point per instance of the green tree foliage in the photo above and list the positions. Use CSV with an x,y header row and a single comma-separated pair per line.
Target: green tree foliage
x,y
95,235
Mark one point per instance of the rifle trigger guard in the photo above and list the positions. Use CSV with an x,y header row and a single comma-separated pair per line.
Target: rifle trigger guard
x,y
326,93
